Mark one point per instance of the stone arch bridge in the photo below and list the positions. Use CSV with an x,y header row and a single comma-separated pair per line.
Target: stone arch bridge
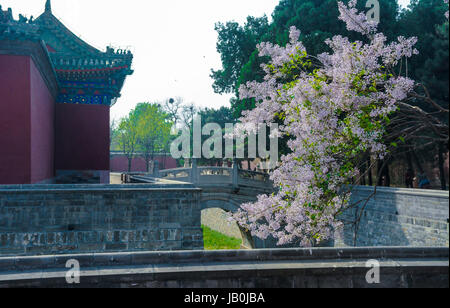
x,y
223,188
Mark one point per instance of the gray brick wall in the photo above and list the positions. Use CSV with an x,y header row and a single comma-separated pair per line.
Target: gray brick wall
x,y
398,217
61,219
55,219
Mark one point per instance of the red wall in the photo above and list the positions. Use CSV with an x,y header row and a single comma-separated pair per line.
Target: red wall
x,y
119,163
81,137
38,137
14,119
26,123
42,128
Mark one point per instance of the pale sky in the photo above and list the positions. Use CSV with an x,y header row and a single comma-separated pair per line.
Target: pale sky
x,y
173,41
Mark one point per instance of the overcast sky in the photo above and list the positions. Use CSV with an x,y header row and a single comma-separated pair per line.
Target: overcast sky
x,y
173,41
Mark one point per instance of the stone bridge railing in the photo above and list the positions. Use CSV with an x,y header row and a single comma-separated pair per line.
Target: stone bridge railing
x,y
208,176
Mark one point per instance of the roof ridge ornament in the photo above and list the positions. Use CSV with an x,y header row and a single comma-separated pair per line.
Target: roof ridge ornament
x,y
48,6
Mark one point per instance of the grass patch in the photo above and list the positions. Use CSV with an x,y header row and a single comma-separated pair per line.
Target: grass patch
x,y
214,240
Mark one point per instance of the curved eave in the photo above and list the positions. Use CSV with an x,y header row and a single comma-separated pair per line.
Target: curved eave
x,y
59,27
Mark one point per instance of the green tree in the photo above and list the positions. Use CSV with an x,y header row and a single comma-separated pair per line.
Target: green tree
x,y
426,20
153,130
127,136
236,44
113,131
221,116
146,129
318,20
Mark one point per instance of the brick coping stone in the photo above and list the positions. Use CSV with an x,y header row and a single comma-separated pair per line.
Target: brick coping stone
x,y
302,255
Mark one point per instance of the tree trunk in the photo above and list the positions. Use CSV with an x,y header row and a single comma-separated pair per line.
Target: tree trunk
x,y
147,163
410,173
388,175
130,159
363,175
380,173
163,167
152,159
369,163
441,167
383,171
416,160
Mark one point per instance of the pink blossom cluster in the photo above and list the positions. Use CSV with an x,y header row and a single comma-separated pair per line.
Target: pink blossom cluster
x,y
332,112
356,21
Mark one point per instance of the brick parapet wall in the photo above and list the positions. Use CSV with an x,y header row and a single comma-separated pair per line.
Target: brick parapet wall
x,y
40,219
398,217
272,268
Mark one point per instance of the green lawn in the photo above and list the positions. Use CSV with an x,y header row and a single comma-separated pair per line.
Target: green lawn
x,y
217,241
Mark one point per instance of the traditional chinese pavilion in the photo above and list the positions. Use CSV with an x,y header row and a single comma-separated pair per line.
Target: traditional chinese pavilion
x,y
55,97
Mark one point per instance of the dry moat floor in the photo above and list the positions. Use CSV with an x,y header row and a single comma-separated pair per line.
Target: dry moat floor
x,y
214,240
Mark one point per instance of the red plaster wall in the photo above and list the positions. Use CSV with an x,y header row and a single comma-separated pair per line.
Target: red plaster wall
x,y
42,128
81,137
15,120
26,123
119,163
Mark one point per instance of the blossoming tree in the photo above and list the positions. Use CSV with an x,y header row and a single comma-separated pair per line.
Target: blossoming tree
x,y
334,108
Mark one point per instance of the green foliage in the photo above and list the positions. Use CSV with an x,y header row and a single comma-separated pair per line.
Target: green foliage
x,y
214,240
127,133
235,44
146,129
220,116
154,127
317,20
113,133
425,19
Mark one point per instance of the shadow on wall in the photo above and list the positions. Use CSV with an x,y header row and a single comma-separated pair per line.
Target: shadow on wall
x,y
397,217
